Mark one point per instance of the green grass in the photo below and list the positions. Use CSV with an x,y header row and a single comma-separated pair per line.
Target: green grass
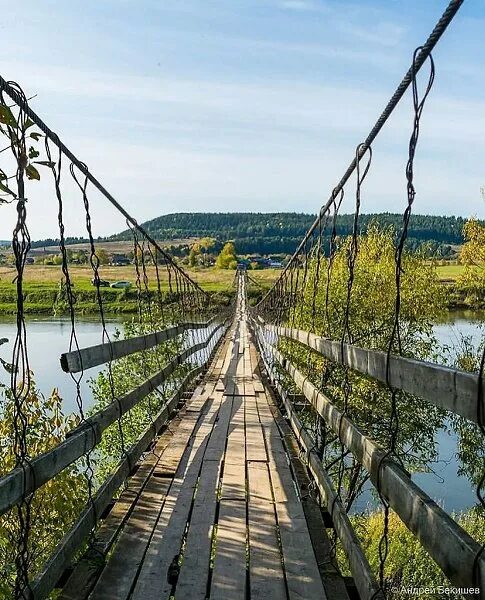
x,y
41,288
450,272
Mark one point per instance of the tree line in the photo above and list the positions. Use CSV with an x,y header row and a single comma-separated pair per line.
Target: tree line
x,y
280,233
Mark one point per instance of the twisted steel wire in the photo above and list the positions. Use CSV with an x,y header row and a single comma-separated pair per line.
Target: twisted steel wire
x,y
420,59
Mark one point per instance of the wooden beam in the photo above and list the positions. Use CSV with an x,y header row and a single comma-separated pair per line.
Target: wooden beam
x,y
70,543
359,565
451,389
92,356
20,482
448,544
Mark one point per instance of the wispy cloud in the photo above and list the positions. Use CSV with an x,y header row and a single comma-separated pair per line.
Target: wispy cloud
x,y
300,5
253,103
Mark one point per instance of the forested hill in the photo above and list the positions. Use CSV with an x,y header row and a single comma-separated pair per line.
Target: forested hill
x,y
267,233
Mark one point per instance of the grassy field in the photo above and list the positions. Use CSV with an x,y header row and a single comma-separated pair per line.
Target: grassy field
x,y
450,272
209,279
122,247
42,284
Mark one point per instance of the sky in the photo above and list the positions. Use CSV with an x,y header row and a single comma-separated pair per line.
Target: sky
x,y
244,105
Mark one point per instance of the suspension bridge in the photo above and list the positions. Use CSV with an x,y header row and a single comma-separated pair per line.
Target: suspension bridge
x,y
233,462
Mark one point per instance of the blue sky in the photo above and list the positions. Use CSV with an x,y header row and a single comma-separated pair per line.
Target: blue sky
x,y
242,105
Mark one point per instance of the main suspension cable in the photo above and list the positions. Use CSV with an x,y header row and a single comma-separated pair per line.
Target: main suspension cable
x,y
21,101
418,62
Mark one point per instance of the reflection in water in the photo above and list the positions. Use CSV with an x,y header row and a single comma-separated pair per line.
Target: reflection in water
x,y
457,324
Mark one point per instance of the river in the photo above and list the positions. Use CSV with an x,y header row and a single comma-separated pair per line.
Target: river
x,y
48,338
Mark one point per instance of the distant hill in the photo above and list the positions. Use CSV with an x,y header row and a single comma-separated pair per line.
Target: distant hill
x,y
274,233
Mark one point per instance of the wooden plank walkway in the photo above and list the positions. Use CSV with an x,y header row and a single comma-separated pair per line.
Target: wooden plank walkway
x,y
219,509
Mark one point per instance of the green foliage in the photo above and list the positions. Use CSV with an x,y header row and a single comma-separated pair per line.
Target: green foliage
x,y
227,258
372,302
57,503
472,281
192,257
124,375
280,233
13,126
371,320
408,564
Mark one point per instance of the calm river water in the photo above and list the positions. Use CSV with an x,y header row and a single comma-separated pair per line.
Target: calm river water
x,y
48,338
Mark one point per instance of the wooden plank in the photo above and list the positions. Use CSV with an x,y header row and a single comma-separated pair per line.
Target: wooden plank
x,y
92,356
265,568
359,565
86,571
43,468
229,575
195,567
120,573
255,446
302,575
333,581
236,445
170,528
448,388
73,539
216,447
234,481
194,571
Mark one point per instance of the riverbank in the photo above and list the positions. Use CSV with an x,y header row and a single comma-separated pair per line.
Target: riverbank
x,y
43,294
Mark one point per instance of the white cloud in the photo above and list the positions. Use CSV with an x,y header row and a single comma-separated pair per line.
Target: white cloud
x,y
244,137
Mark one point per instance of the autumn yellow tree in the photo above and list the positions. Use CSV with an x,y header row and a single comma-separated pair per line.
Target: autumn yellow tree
x,y
227,258
472,256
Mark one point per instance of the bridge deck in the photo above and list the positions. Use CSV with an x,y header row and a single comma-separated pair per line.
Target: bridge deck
x,y
220,493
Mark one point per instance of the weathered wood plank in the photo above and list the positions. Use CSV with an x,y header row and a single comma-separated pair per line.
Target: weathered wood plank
x,y
265,568
229,575
359,565
170,528
72,540
450,546
119,575
255,446
61,557
216,447
332,579
194,572
86,571
451,389
302,575
92,356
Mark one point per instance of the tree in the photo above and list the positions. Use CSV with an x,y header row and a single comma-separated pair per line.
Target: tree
x,y
472,256
206,244
102,256
473,250
227,258
371,314
192,257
